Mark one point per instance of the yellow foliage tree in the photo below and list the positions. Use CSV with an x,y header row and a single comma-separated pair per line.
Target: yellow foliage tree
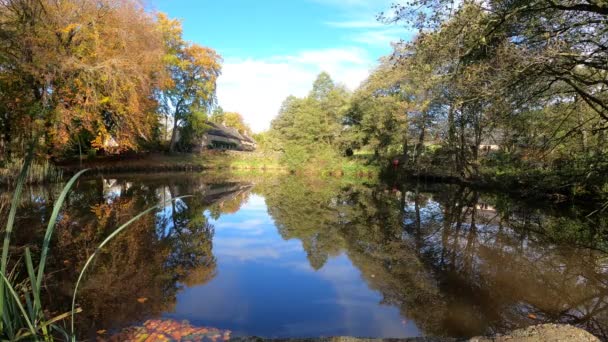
x,y
77,65
192,71
236,121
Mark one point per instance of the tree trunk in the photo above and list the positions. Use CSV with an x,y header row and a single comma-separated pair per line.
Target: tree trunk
x,y
173,138
478,129
462,155
420,144
174,134
418,232
584,137
452,138
405,147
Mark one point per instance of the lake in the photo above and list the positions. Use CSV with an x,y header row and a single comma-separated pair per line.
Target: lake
x,y
289,256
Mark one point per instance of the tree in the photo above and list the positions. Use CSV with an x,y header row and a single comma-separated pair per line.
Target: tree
x,y
217,116
192,73
76,66
377,116
322,87
236,121
559,45
311,127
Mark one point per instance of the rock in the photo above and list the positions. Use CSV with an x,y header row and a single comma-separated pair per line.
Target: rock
x,y
173,331
544,332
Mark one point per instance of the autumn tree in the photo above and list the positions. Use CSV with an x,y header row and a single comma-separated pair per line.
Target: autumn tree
x,y
217,115
75,67
236,121
189,91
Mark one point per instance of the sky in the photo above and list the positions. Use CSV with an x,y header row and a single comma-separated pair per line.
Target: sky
x,y
275,48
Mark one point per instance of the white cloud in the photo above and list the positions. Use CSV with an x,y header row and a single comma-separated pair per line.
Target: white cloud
x,y
380,37
360,21
357,24
379,5
257,87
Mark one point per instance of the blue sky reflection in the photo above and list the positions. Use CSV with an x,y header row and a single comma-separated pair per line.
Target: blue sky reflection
x,y
265,286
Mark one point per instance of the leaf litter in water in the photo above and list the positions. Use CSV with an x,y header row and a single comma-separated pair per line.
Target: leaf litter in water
x,y
169,331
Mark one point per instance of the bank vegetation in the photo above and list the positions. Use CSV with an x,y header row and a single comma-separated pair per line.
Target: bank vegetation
x,y
510,94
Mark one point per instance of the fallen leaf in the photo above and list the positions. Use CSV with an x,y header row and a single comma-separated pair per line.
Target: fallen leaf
x,y
532,316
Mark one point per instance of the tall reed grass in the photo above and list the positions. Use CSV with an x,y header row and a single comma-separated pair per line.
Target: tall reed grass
x,y
40,171
22,317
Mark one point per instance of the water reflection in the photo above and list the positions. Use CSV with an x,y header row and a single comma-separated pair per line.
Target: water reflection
x,y
290,256
453,260
138,275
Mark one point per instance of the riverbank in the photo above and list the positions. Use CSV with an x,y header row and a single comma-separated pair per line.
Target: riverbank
x,y
41,171
528,184
210,160
584,185
161,162
173,331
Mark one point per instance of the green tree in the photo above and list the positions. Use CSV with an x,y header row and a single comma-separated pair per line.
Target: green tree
x,y
311,127
192,73
217,115
236,121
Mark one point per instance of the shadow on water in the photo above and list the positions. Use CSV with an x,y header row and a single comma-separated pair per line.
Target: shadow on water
x,y
451,260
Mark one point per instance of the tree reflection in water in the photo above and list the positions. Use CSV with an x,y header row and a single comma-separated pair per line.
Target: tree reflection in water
x,y
455,261
138,275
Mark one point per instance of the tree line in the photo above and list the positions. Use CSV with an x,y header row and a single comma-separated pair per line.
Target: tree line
x,y
525,78
90,75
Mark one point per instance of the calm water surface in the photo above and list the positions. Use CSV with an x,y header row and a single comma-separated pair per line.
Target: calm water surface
x,y
292,257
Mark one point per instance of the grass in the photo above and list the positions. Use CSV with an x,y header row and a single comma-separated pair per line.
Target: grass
x,y
158,162
258,161
22,317
39,172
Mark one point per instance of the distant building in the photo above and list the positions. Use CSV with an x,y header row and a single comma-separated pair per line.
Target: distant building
x,y
489,143
488,147
110,143
220,137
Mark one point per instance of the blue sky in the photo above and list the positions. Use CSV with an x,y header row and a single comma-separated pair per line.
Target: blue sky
x,y
275,48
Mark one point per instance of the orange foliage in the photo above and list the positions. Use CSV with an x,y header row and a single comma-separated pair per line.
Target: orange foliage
x,y
79,65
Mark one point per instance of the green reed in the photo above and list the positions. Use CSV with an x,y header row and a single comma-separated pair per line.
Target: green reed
x,y
40,171
22,317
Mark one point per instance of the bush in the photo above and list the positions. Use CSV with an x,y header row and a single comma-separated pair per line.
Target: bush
x,y
295,158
